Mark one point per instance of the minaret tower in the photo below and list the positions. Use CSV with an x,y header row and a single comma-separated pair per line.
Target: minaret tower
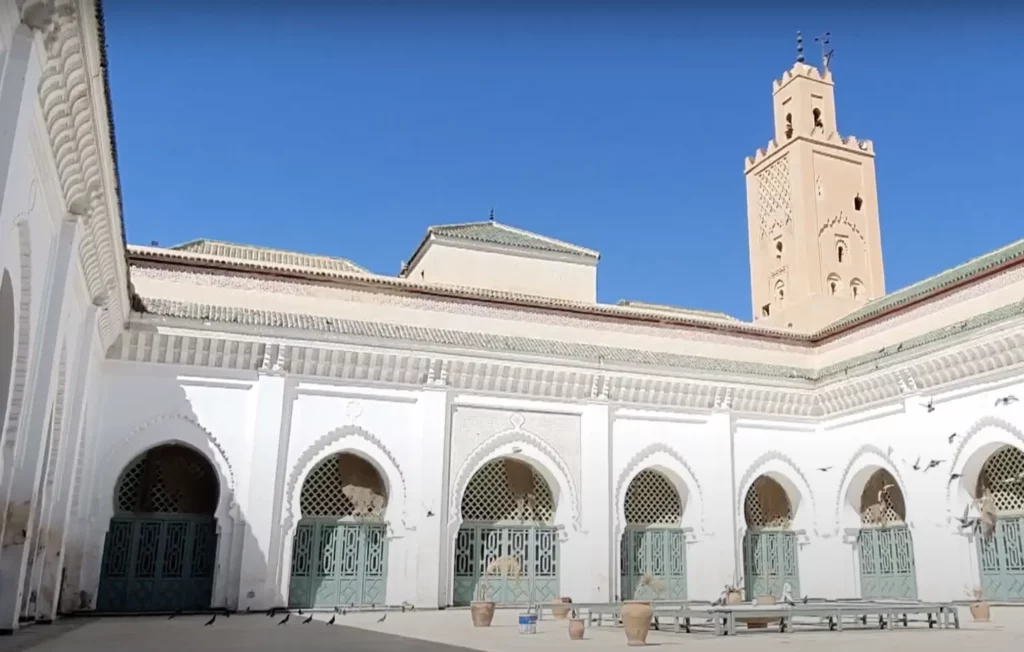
x,y
812,210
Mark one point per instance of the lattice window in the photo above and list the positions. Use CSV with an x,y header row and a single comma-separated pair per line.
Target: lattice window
x,y
168,480
1003,476
881,502
342,486
767,505
651,499
508,490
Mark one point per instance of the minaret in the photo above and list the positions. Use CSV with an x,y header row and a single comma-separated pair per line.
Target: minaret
x,y
812,210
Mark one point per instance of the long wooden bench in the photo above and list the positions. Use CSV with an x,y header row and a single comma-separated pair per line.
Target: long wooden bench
x,y
834,614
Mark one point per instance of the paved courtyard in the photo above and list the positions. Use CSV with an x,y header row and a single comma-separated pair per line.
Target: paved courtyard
x,y
451,631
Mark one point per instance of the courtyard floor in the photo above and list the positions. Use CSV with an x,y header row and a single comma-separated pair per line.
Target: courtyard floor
x,y
452,631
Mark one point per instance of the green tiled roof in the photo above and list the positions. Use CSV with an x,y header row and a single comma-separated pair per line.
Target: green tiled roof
x,y
676,310
501,234
267,255
930,285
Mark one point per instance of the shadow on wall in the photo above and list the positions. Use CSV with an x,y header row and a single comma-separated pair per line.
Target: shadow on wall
x,y
160,527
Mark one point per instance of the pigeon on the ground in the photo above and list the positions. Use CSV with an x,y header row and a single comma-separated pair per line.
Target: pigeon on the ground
x,y
308,620
210,621
382,618
331,621
285,619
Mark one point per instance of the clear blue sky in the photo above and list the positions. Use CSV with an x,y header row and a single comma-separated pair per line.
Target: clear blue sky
x,y
348,128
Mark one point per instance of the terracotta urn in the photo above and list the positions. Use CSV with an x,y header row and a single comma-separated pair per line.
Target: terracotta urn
x,y
761,623
561,607
636,621
981,611
482,613
576,629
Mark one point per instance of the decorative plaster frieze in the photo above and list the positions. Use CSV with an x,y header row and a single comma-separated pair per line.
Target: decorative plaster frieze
x,y
999,352
71,107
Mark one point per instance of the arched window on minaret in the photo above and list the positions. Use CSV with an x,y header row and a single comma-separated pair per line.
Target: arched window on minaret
x,y
834,284
789,125
818,124
780,290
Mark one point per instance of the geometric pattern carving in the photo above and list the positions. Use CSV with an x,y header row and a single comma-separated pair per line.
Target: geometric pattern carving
x,y
773,196
652,500
168,479
1003,476
507,490
881,502
343,485
767,505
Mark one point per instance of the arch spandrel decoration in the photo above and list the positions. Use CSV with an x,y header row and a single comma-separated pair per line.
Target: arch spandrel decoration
x,y
351,439
520,444
664,458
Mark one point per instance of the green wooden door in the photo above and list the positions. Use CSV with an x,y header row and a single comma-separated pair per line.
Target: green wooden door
x,y
158,562
338,563
658,552
530,571
1001,561
887,563
770,562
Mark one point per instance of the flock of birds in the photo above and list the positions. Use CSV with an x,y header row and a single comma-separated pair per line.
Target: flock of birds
x,y
274,611
983,524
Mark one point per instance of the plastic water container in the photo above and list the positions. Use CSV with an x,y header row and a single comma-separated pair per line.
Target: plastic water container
x,y
527,624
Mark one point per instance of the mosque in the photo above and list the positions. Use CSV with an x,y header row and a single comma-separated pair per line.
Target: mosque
x,y
221,425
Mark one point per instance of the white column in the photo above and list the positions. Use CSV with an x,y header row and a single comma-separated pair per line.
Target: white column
x,y
587,556
428,501
22,496
54,553
718,559
260,506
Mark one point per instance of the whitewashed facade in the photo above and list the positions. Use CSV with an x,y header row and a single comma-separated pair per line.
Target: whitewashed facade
x,y
631,420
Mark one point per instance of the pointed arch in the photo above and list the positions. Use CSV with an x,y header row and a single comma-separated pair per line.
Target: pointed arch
x,y
661,457
862,464
783,470
987,435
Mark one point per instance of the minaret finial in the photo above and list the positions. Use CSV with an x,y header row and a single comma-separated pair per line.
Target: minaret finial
x,y
491,217
799,47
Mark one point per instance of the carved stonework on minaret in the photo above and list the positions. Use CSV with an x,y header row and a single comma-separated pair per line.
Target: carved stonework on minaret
x,y
812,210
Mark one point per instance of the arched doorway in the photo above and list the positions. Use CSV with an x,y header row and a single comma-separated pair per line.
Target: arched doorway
x,y
7,322
769,547
161,549
653,547
507,547
1000,489
340,550
884,544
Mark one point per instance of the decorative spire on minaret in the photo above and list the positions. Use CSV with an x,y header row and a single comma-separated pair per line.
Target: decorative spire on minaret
x,y
799,47
491,217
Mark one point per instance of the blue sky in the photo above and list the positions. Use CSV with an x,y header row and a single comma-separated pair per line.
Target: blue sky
x,y
348,128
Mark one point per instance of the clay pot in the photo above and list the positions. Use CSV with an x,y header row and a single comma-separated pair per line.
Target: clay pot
x,y
482,613
560,609
636,621
761,623
733,597
981,612
576,629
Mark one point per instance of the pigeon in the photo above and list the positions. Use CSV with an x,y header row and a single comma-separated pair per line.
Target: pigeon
x,y
805,599
271,612
331,621
917,465
382,618
344,611
951,438
285,619
176,613
430,513
1006,400
929,407
932,464
210,621
965,520
825,469
248,610
953,476
300,613
308,620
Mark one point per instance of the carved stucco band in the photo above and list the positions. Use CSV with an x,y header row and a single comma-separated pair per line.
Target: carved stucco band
x,y
866,451
1010,432
487,448
641,461
318,449
758,467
